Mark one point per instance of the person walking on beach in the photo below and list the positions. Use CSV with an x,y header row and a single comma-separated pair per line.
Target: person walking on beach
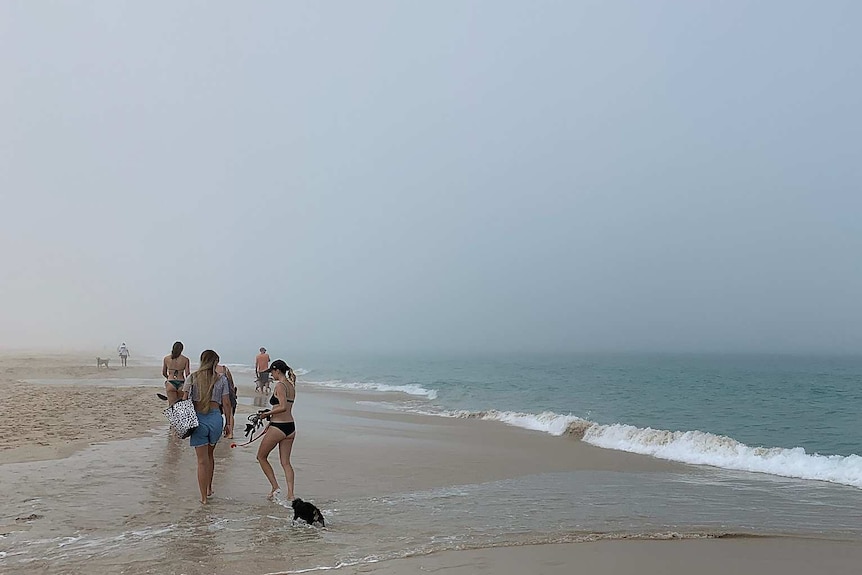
x,y
281,430
261,371
223,370
124,353
175,369
209,390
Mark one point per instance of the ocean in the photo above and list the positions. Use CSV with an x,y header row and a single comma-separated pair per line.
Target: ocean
x,y
786,416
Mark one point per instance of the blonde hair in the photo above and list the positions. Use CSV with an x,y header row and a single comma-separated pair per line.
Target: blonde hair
x,y
205,377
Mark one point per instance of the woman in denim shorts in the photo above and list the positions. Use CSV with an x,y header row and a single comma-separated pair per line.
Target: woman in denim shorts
x,y
209,390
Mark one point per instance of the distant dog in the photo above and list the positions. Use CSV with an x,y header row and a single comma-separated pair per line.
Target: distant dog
x,y
307,512
100,362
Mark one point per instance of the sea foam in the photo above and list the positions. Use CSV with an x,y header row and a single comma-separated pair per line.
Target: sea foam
x,y
695,447
409,389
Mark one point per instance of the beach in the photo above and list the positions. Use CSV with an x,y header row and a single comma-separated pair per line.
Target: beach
x,y
95,483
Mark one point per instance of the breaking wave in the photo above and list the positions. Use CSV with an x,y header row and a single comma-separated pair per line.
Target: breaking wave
x,y
694,447
409,389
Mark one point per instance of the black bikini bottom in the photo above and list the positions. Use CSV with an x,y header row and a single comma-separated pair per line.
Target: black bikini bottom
x,y
285,428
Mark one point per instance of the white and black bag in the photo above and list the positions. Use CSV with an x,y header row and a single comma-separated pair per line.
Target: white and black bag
x,y
182,417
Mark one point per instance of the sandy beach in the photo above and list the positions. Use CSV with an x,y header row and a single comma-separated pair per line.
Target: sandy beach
x,y
387,481
52,421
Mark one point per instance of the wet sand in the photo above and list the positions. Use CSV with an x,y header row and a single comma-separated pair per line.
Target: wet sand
x,y
347,453
763,556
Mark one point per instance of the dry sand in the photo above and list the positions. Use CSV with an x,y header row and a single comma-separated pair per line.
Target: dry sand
x,y
50,421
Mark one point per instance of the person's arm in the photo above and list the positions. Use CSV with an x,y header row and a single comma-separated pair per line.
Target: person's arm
x,y
188,370
229,377
165,367
225,402
228,414
187,388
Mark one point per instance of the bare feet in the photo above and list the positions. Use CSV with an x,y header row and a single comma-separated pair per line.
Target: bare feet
x,y
204,501
274,494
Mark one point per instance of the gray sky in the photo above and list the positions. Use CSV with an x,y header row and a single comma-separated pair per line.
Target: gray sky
x,y
445,175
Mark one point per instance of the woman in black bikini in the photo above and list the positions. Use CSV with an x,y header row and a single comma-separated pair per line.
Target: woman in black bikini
x,y
175,369
281,430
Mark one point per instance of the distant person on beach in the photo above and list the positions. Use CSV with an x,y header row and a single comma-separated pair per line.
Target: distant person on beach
x,y
124,353
281,430
223,370
209,390
261,371
175,368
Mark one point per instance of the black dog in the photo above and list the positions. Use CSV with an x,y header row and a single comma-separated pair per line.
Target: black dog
x,y
307,512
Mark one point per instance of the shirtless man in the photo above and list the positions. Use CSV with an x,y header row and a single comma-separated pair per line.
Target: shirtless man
x,y
261,365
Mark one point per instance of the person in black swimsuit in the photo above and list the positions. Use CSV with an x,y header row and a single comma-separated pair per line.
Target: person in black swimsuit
x,y
281,430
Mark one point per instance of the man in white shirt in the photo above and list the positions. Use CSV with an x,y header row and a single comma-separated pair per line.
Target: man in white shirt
x,y
124,353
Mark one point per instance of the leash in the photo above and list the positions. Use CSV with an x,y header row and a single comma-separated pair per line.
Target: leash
x,y
254,418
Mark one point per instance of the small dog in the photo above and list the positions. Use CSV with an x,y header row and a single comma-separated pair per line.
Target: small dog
x,y
307,512
100,362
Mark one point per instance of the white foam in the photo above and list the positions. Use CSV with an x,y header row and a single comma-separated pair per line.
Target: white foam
x,y
547,421
695,447
720,451
409,389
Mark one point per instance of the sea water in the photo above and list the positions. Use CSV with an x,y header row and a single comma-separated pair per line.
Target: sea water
x,y
787,416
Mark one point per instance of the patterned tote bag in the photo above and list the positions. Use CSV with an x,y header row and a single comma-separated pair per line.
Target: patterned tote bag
x,y
182,418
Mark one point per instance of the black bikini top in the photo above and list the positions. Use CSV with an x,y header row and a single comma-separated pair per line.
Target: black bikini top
x,y
274,400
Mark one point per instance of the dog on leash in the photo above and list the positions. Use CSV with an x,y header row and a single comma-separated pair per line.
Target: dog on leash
x,y
100,362
306,511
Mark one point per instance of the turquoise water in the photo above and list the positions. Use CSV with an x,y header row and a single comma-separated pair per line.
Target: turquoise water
x,y
786,415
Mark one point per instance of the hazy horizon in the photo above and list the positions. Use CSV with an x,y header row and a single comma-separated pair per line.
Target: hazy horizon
x,y
441,177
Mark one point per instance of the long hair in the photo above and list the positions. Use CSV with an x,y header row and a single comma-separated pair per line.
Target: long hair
x,y
177,349
205,377
290,375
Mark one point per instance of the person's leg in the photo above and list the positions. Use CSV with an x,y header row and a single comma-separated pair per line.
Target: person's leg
x,y
284,448
267,444
204,475
211,470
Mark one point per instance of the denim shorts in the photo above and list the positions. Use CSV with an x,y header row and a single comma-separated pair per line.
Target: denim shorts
x,y
210,428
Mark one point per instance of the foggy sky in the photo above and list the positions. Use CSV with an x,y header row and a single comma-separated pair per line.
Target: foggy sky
x,y
431,176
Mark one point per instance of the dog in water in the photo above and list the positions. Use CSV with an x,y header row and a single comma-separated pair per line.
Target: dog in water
x,y
100,362
306,511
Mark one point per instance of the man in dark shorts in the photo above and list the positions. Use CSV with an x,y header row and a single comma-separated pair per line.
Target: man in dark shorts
x,y
261,365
